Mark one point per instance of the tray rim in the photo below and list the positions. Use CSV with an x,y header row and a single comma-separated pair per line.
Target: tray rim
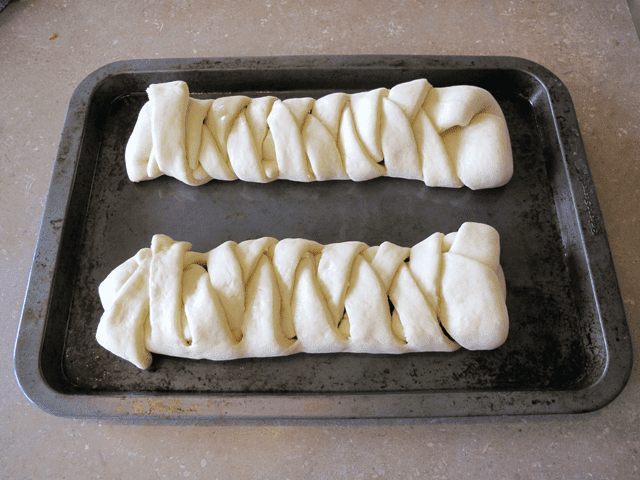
x,y
168,406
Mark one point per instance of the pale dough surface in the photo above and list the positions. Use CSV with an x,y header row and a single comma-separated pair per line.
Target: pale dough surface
x,y
265,298
446,137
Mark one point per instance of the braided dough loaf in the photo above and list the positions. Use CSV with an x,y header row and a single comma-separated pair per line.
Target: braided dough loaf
x,y
265,297
447,137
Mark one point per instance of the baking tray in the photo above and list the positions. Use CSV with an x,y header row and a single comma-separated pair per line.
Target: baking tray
x,y
568,348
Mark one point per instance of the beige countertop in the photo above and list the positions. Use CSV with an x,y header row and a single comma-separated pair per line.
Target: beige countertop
x,y
591,45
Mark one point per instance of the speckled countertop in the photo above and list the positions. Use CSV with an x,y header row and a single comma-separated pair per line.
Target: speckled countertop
x,y
48,48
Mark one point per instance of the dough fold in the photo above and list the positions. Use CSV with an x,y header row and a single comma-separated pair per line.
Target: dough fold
x,y
446,137
264,298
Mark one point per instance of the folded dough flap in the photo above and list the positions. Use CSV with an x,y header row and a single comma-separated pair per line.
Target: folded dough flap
x,y
137,154
481,152
125,297
262,333
196,114
245,157
288,144
165,332
474,132
472,308
414,320
367,110
287,255
169,102
410,96
205,328
399,148
359,165
367,308
311,318
322,151
334,269
456,106
226,277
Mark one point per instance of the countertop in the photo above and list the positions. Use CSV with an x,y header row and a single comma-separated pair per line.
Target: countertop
x,y
48,48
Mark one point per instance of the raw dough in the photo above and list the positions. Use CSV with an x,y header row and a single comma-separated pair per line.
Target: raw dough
x,y
447,137
264,297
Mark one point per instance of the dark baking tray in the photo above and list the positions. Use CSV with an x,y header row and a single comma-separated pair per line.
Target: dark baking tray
x,y
568,348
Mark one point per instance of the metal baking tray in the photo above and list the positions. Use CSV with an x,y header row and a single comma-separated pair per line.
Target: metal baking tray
x,y
568,348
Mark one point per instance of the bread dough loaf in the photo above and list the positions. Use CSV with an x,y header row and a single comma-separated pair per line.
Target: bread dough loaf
x,y
447,137
264,298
